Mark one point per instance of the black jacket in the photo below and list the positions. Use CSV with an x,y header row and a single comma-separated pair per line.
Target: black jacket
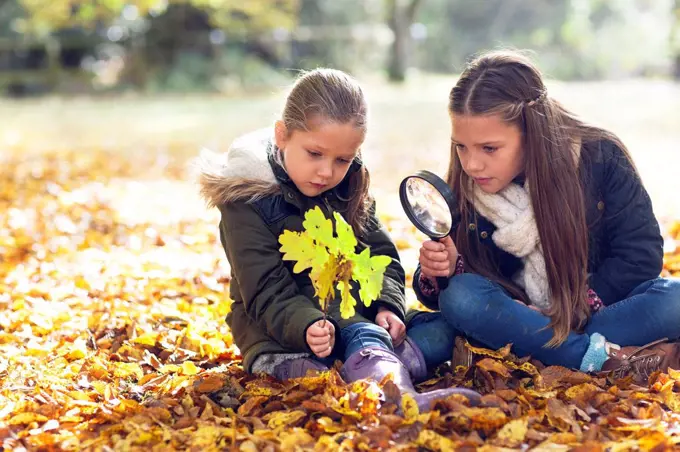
x,y
625,244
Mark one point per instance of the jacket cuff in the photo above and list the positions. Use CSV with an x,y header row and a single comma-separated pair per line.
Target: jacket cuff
x,y
594,301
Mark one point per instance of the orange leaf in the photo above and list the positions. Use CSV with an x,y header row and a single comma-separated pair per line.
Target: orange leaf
x,y
491,365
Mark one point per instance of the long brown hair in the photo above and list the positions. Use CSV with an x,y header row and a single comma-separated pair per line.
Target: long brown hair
x,y
333,96
506,83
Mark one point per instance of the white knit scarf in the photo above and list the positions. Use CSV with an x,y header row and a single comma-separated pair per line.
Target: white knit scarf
x,y
511,212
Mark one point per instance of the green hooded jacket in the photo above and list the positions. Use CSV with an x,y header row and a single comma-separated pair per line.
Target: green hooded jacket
x,y
273,306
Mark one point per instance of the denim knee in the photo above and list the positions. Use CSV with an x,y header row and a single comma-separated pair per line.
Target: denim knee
x,y
364,334
461,301
668,292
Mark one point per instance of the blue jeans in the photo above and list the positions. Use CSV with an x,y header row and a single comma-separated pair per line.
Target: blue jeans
x,y
428,330
483,311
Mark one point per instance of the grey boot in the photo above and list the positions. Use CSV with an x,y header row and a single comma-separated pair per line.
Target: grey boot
x,y
412,357
376,363
296,368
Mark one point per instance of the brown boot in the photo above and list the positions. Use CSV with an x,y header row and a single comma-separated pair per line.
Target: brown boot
x,y
462,356
641,362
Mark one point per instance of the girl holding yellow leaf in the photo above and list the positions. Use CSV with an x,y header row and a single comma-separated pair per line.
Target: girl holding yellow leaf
x,y
306,290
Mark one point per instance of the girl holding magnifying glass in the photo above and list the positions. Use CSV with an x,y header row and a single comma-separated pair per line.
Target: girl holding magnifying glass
x,y
557,250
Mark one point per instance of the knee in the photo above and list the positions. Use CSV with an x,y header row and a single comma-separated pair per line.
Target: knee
x,y
372,332
668,289
461,301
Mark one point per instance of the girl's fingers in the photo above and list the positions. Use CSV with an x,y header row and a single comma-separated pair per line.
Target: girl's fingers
x,y
313,340
437,256
320,348
317,331
324,353
433,272
431,245
438,265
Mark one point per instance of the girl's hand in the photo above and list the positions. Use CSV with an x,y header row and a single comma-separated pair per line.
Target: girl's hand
x,y
393,324
438,259
321,338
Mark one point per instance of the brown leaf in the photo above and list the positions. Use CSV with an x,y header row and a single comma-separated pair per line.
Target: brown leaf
x,y
491,365
251,405
561,417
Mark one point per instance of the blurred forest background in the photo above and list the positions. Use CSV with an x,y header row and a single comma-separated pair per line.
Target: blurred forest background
x,y
236,45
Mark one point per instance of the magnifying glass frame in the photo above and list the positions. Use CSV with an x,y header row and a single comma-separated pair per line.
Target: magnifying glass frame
x,y
446,193
441,186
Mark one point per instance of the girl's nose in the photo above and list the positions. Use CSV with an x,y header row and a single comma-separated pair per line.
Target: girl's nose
x,y
325,171
474,164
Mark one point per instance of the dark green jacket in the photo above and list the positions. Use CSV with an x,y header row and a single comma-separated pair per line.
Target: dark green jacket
x,y
273,306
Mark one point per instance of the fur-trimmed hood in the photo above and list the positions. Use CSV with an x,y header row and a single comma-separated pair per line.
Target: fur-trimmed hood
x,y
243,173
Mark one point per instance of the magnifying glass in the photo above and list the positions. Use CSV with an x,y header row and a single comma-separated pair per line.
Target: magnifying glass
x,y
430,205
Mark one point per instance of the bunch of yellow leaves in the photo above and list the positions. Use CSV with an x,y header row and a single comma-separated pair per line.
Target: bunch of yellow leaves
x,y
331,256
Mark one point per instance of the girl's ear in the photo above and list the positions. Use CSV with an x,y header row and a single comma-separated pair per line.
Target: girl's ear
x,y
280,134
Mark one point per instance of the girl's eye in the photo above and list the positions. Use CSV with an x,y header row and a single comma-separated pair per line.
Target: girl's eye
x,y
489,149
459,147
314,153
344,161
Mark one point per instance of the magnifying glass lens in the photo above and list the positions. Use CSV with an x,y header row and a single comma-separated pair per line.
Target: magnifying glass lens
x,y
429,207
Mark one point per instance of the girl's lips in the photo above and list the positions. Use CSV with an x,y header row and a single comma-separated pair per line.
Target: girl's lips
x,y
319,186
482,180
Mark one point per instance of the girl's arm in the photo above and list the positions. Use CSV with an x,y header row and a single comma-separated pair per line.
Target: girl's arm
x,y
635,242
427,290
268,290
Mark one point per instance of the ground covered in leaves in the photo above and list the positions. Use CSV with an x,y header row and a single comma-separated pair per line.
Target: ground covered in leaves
x,y
112,337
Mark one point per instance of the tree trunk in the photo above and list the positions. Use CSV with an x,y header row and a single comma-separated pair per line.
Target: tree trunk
x,y
400,19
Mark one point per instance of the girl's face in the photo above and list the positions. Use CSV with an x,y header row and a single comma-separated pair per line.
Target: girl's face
x,y
317,160
490,149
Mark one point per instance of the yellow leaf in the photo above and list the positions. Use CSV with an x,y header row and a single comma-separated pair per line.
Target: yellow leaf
x,y
300,247
189,368
146,339
499,354
320,229
126,370
434,441
369,272
347,241
169,368
347,302
26,418
324,282
77,351
409,407
512,434
296,439
282,418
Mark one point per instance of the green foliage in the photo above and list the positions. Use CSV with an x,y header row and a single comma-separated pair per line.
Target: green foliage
x,y
234,15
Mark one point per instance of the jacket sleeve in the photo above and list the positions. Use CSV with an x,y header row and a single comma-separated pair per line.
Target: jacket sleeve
x,y
270,294
392,295
635,242
430,301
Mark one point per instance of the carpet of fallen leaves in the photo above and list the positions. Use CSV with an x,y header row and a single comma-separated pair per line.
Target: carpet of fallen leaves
x,y
112,337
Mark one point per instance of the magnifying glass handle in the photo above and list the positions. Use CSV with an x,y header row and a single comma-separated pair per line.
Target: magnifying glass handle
x,y
442,282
